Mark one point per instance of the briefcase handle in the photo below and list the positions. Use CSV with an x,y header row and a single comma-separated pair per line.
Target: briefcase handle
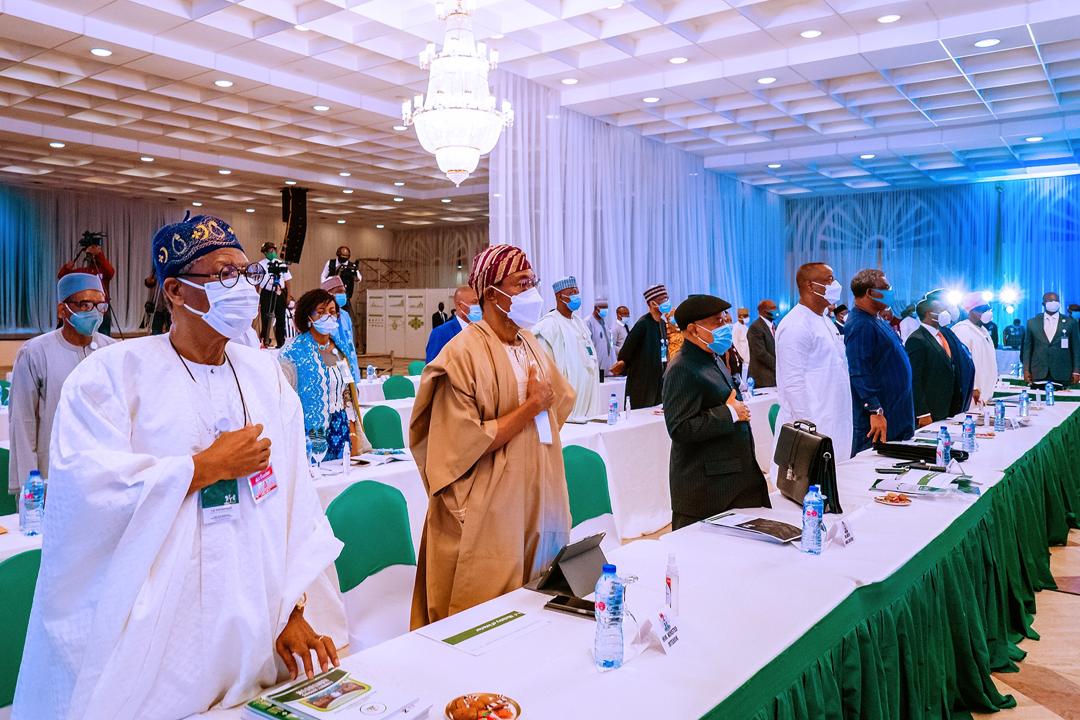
x,y
805,425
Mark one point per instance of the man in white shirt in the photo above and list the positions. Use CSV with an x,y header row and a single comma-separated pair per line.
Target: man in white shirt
x,y
275,291
973,332
738,335
811,362
621,329
601,336
568,342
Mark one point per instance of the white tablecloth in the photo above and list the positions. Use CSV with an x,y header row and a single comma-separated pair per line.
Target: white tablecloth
x,y
402,475
14,542
370,391
759,406
403,407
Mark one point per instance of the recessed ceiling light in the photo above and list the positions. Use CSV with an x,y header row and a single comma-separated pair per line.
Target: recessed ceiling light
x,y
867,156
223,171
1034,138
56,145
100,52
347,191
147,158
497,36
775,166
249,210
301,28
290,182
197,203
224,83
398,183
320,108
569,81
340,222
650,100
345,173
887,19
399,199
446,200
401,128
987,42
810,34
767,80
380,227
678,60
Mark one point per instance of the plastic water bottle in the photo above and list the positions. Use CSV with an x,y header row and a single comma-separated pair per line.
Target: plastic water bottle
x,y
370,372
813,507
32,507
608,648
1050,394
671,584
1025,404
613,410
944,448
626,406
999,416
969,434
750,385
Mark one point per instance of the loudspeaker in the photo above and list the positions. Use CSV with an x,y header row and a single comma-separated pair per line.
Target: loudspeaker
x,y
294,215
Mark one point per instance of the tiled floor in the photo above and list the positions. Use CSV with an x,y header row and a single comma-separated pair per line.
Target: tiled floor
x,y
1048,684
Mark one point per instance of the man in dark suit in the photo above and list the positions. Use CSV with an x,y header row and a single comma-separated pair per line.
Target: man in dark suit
x,y
1051,349
467,311
439,317
938,368
712,466
761,337
644,355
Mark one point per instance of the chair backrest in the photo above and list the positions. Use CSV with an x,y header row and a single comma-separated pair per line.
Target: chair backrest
x,y
773,412
398,387
586,483
372,520
416,367
18,576
382,425
5,392
8,503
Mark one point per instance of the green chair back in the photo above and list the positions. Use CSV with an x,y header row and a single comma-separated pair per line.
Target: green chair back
x,y
586,482
382,425
18,576
8,503
398,387
416,367
773,412
372,520
5,392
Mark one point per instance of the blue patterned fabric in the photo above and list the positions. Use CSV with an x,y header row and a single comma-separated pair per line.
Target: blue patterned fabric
x,y
313,381
337,434
178,244
343,338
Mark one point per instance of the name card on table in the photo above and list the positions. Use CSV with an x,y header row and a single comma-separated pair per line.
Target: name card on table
x,y
840,533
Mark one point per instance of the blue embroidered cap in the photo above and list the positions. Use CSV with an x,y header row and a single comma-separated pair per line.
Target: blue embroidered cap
x,y
178,244
567,282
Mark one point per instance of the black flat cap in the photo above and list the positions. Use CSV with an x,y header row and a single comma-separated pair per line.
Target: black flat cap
x,y
698,307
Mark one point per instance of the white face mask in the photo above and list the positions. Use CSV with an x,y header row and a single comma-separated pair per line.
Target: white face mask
x,y
986,317
326,325
832,291
525,308
232,310
1053,306
944,318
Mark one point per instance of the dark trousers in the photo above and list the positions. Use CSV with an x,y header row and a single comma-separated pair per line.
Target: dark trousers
x,y
749,498
272,305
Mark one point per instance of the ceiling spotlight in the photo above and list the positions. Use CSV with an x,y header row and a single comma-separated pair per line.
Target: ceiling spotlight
x,y
224,83
100,52
340,222
678,60
651,99
775,166
290,182
399,199
400,128
888,19
446,200
197,204
347,191
249,210
345,173
810,34
767,80
867,156
147,158
987,295
987,42
56,145
320,108
380,227
223,171
569,81
301,28
1009,295
1034,139
398,183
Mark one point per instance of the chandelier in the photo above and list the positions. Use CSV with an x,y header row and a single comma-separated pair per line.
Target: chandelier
x,y
457,120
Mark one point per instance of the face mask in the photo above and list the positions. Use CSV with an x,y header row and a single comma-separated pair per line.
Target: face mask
x,y
768,314
326,325
573,303
1053,306
231,309
475,314
340,299
886,296
603,313
271,255
86,323
721,340
986,317
944,318
832,291
525,308
342,258
743,320
665,307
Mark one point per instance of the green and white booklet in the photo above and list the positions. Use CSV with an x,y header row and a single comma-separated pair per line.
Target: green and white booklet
x,y
928,484
335,694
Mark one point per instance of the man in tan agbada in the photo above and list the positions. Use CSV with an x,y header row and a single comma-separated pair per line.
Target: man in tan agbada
x,y
485,436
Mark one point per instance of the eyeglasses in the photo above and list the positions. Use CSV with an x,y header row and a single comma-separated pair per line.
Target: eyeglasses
x,y
526,283
229,275
87,306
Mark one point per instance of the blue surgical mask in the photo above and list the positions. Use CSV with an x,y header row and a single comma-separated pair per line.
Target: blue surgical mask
x,y
86,323
341,299
665,307
475,313
603,313
721,340
886,296
326,325
573,302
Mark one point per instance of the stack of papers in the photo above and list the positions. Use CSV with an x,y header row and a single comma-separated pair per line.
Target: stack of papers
x,y
758,528
927,484
335,694
382,456
475,633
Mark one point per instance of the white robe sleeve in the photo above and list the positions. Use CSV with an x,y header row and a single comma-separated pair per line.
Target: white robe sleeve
x,y
24,412
794,344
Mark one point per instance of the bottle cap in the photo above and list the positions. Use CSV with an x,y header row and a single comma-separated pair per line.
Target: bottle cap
x,y
815,488
608,569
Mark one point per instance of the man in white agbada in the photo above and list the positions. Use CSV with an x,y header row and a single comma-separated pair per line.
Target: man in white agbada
x,y
41,366
567,340
165,590
811,363
973,333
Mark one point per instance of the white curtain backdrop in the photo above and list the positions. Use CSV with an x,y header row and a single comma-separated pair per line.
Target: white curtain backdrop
x,y
439,256
621,212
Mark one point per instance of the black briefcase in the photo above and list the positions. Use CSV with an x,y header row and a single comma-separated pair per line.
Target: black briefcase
x,y
805,457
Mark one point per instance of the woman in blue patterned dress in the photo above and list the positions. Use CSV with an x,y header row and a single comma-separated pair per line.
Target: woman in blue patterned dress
x,y
316,368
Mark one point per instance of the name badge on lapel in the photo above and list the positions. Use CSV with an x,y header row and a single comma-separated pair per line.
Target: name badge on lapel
x,y
262,484
220,502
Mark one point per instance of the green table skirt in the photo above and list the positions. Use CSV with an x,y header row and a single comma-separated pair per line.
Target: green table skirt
x,y
922,643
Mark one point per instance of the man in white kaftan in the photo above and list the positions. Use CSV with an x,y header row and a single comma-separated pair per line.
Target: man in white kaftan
x,y
564,336
973,333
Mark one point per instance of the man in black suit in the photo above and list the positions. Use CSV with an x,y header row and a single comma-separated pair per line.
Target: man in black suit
x,y
439,316
1051,349
938,366
761,337
712,466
